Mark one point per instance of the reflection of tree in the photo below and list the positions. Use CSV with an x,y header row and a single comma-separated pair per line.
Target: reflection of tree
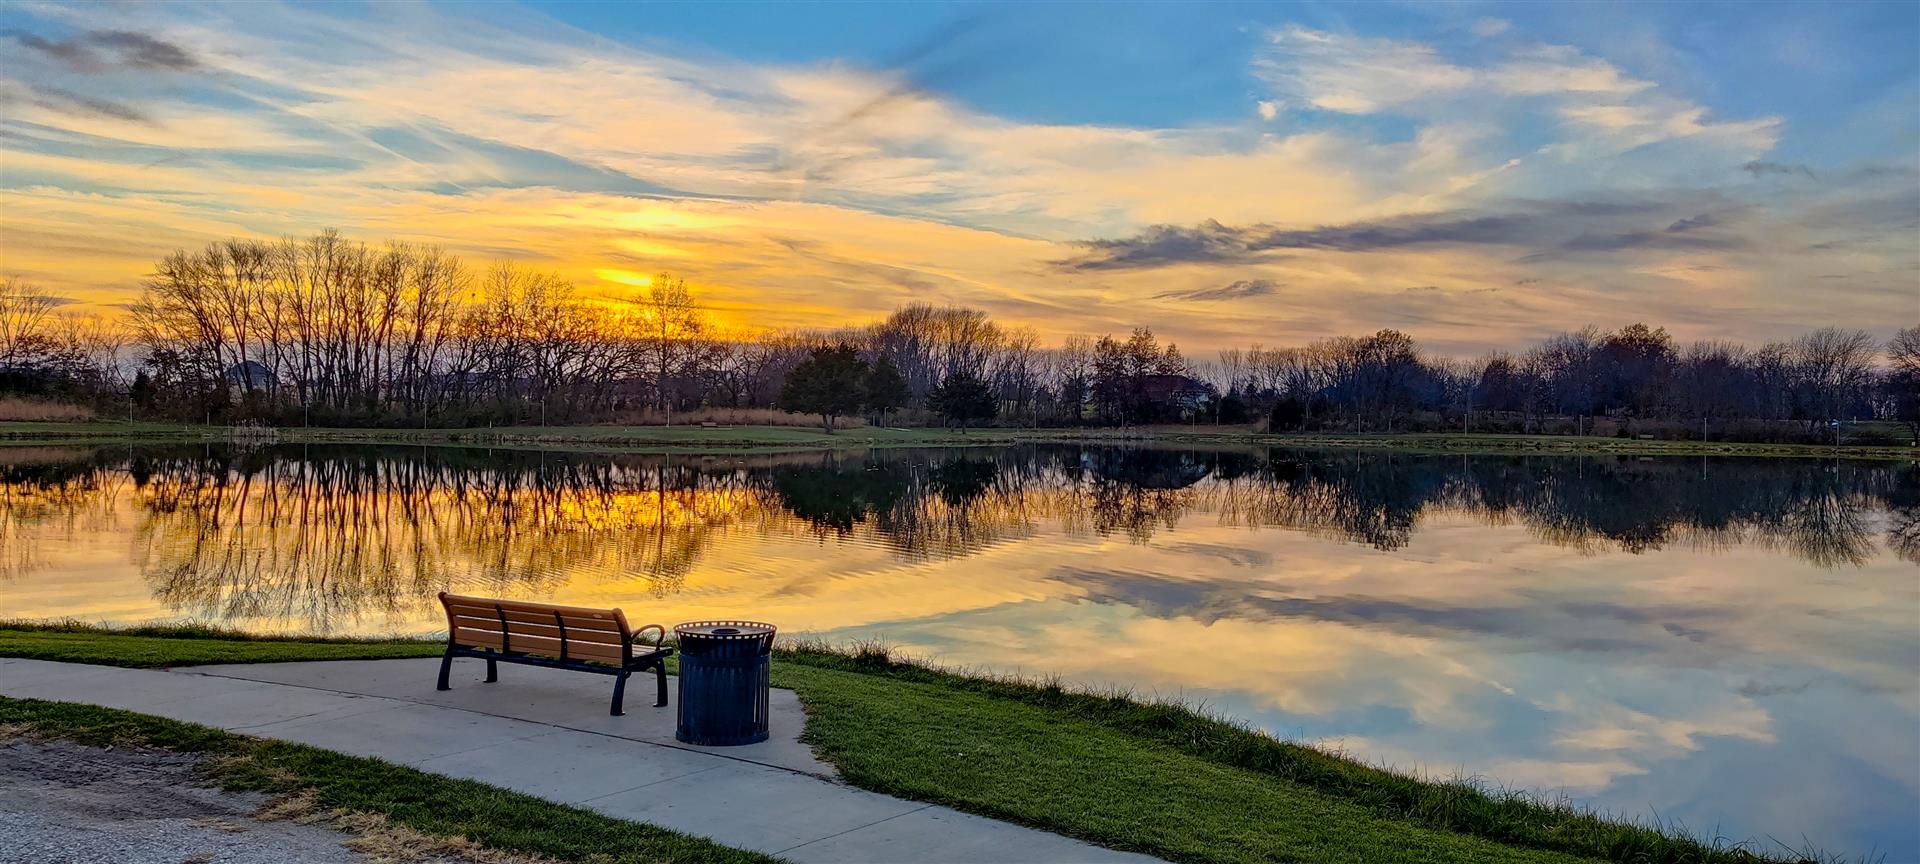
x,y
329,533
345,532
1148,468
918,503
835,496
48,493
1903,528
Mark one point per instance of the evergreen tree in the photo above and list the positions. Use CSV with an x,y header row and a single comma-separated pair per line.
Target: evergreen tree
x,y
831,383
963,398
885,389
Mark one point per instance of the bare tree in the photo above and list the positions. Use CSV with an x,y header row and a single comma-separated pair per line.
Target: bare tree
x,y
1832,370
669,323
24,309
1902,381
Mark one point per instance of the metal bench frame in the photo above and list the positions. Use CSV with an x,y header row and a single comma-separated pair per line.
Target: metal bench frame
x,y
649,656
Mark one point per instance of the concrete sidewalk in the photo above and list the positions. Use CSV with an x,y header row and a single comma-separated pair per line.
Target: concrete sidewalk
x,y
546,733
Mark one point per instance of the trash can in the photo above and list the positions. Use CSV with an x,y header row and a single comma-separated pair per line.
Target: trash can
x,y
723,681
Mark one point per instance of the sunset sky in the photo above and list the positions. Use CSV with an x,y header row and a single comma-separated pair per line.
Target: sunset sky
x,y
1476,174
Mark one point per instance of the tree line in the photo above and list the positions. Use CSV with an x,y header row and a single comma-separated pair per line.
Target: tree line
x,y
1635,379
328,331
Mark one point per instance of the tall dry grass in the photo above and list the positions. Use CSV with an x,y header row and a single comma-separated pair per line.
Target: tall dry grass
x,y
733,417
18,408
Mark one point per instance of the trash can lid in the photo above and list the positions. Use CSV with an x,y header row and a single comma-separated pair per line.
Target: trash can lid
x,y
724,629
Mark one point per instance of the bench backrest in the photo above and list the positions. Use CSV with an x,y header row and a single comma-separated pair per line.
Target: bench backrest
x,y
543,629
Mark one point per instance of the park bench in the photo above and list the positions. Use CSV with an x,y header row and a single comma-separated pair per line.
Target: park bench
x,y
555,637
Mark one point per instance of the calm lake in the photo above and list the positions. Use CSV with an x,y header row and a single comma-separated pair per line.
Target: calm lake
x,y
1730,644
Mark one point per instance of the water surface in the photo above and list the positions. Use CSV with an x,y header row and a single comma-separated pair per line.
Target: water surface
x,y
1730,644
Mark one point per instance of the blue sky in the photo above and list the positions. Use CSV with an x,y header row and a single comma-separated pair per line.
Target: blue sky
x,y
1170,64
1477,174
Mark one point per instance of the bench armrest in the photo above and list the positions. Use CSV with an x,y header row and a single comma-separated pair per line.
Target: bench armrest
x,y
657,640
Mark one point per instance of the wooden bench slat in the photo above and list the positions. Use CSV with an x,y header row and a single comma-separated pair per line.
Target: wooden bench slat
x,y
549,629
574,621
489,603
605,621
517,639
542,646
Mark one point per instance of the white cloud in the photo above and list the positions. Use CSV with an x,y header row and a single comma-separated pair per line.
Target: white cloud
x,y
1487,28
1600,111
1565,72
1351,74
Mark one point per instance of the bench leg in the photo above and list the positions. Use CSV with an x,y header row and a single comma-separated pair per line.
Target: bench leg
x,y
493,671
660,684
619,693
446,666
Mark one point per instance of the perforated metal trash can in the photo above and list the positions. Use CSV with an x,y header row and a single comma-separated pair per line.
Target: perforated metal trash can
x,y
723,681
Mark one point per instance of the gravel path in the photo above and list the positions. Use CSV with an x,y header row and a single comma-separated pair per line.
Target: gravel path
x,y
63,803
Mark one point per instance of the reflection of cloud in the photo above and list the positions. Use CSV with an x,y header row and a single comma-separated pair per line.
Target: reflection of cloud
x,y
1237,556
1544,623
1617,727
1560,774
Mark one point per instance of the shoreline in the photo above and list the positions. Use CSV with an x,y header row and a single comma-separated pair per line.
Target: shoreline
x,y
699,440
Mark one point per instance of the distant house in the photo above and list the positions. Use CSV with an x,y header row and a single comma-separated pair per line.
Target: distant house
x,y
1179,392
249,376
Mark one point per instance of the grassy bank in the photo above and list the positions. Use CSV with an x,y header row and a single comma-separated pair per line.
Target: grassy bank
x,y
322,782
734,439
1157,778
189,645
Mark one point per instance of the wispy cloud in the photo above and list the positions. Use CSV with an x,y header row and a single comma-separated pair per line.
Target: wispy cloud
x,y
1535,228
100,50
1236,290
66,102
1762,168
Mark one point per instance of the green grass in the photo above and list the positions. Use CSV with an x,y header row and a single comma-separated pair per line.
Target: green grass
x,y
428,803
1154,777
1037,766
188,645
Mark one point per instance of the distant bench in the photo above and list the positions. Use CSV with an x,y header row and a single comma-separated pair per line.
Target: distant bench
x,y
557,637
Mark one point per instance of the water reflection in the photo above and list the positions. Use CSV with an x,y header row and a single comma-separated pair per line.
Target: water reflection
x,y
315,533
1731,642
342,523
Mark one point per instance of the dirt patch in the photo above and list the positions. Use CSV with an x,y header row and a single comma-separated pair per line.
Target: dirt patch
x,y
62,802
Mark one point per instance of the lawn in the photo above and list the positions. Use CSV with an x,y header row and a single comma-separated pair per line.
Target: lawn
x,y
1155,778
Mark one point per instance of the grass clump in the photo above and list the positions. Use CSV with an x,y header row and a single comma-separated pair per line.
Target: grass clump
x,y
384,803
